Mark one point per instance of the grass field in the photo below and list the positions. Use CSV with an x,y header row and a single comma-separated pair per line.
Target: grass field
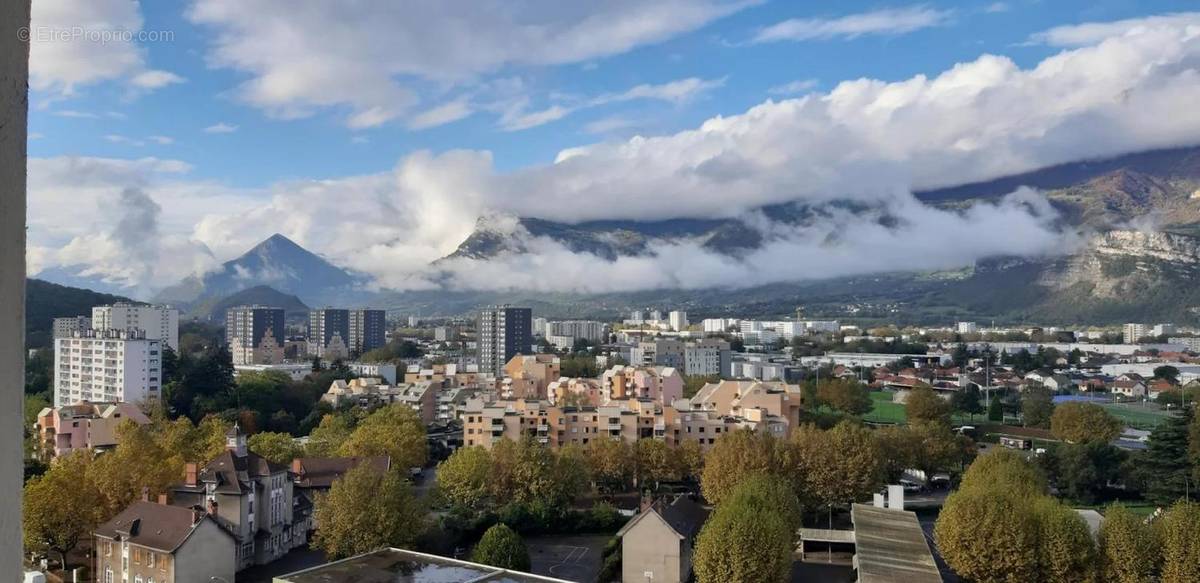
x,y
1136,415
884,410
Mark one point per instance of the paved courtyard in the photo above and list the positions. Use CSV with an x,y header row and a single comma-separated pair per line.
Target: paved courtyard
x,y
574,558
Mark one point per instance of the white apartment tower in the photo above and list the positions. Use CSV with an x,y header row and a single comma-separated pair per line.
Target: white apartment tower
x,y
107,365
678,320
158,322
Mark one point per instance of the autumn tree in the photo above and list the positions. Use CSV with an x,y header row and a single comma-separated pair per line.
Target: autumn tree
x,y
1128,550
841,465
989,536
1066,552
924,406
526,471
465,478
1084,423
657,462
503,548
327,438
1007,470
139,461
1037,406
61,507
1179,533
611,464
1083,471
746,540
395,431
845,395
280,448
367,509
691,460
739,454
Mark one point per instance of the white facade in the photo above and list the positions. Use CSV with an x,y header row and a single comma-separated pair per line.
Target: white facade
x,y
1162,329
1132,332
107,366
159,322
718,325
967,328
678,320
1192,344
295,371
385,371
588,329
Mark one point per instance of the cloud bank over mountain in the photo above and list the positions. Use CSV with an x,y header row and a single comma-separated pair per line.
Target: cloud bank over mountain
x,y
868,141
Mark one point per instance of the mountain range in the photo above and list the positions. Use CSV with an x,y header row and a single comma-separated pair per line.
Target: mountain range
x,y
1139,261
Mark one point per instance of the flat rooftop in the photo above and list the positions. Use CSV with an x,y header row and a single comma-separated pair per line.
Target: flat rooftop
x,y
401,566
890,547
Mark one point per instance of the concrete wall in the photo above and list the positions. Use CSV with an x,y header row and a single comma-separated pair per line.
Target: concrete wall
x,y
651,546
14,107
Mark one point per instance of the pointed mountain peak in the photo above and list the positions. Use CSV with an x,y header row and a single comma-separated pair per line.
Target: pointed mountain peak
x,y
278,240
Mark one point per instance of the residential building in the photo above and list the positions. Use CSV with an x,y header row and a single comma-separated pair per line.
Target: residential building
x,y
329,333
251,497
315,475
486,424
448,334
719,325
368,330
590,330
637,317
159,322
107,366
967,328
504,332
448,375
575,392
678,320
255,334
385,371
1190,343
91,426
657,544
67,327
1162,330
528,376
452,401
1132,332
294,370
659,352
757,401
420,397
152,542
708,357
400,565
660,384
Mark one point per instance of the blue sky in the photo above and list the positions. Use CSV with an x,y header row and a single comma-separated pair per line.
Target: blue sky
x,y
380,134
265,150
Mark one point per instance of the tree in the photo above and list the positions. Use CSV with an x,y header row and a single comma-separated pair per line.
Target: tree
x,y
1083,471
928,447
394,431
367,509
1128,551
1037,406
464,479
924,406
1066,553
656,462
845,395
503,548
693,383
280,448
735,456
1179,533
748,539
139,461
765,493
988,536
1084,423
844,464
966,400
1167,462
691,460
1166,371
611,464
327,438
61,507
995,410
526,472
1004,469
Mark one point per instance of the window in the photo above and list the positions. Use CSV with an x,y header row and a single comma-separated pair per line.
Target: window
x,y
108,575
138,579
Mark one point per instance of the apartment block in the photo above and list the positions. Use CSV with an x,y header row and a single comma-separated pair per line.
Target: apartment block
x,y
1132,332
659,384
678,320
504,332
107,366
528,376
159,322
368,330
90,426
255,334
67,327
659,352
708,357
329,333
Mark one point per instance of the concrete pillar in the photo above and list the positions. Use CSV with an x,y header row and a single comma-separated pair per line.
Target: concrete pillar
x,y
14,107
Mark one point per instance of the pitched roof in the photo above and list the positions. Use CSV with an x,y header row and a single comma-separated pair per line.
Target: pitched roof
x,y
683,515
230,471
157,526
321,472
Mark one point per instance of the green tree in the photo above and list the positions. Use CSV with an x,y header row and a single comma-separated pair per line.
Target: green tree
x,y
966,400
924,406
838,466
735,456
1084,423
394,431
657,462
928,447
767,494
747,540
995,411
367,509
1179,533
327,438
1083,471
1166,371
526,472
1004,469
61,507
988,536
1167,462
280,448
1066,552
1128,549
502,547
1037,406
465,478
845,395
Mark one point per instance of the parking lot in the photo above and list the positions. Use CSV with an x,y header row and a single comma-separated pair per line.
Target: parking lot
x,y
574,558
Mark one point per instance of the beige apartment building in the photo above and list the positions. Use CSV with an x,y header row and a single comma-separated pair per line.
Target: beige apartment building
x,y
528,376
661,384
84,425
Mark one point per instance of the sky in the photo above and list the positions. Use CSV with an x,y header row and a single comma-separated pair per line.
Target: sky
x,y
167,137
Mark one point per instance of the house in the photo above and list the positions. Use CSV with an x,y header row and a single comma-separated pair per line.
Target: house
x,y
251,497
158,543
657,544
1058,382
1128,388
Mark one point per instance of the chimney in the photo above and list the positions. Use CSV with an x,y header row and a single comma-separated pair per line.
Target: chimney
x,y
212,507
297,466
145,493
197,514
190,471
162,499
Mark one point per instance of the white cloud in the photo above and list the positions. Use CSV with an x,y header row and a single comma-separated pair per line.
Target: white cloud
x,y
794,87
76,114
1076,35
221,128
517,116
608,125
74,43
120,139
888,21
162,140
445,113
365,58
997,7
